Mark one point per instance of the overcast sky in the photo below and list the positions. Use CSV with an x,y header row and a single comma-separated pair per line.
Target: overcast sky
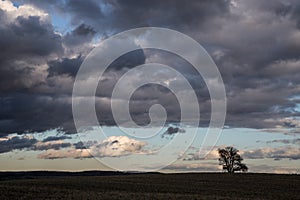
x,y
255,45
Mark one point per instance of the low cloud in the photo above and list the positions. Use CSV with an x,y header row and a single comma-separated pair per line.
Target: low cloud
x,y
286,141
56,145
195,155
16,143
288,152
70,153
207,167
114,146
286,125
54,138
28,142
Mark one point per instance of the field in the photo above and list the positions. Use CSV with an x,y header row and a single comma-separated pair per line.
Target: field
x,y
150,186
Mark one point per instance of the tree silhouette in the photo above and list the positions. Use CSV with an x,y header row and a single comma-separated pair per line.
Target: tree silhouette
x,y
231,160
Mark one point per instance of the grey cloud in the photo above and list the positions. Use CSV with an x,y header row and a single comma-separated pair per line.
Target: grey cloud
x,y
84,10
16,143
172,14
278,153
55,145
83,30
128,60
79,145
84,145
36,113
54,138
80,35
68,66
30,36
23,43
286,141
110,16
113,146
254,43
172,131
11,143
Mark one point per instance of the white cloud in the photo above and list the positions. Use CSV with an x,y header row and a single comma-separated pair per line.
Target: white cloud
x,y
118,146
13,12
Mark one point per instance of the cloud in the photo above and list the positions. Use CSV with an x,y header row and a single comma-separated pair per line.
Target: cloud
x,y
25,10
286,141
55,138
113,146
29,143
206,167
59,154
194,154
272,169
116,146
67,66
172,131
173,14
16,143
56,145
79,41
254,44
25,40
34,112
278,153
286,125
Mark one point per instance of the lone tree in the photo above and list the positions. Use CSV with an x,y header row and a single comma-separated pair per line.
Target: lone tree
x,y
231,160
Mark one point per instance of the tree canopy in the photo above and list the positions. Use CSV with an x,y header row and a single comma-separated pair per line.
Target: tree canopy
x,y
231,160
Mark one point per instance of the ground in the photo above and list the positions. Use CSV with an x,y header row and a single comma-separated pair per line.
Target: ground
x,y
152,186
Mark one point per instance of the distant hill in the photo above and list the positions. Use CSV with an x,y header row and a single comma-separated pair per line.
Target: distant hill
x,y
36,174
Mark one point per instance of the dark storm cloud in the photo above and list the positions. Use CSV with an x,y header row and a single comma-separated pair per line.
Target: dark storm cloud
x,y
37,113
84,30
128,60
110,16
68,66
80,35
255,45
90,10
23,43
30,36
296,14
173,14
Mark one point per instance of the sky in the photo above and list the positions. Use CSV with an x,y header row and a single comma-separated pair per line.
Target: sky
x,y
254,44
